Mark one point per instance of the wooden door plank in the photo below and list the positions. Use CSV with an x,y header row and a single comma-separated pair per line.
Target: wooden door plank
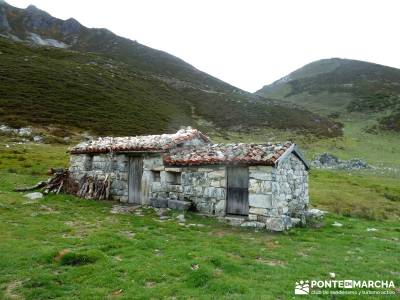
x,y
237,190
135,179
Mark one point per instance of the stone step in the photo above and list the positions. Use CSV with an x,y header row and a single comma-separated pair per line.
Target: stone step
x,y
159,202
234,220
170,203
178,204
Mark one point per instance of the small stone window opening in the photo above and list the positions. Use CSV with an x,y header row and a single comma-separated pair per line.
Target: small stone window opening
x,y
156,176
175,178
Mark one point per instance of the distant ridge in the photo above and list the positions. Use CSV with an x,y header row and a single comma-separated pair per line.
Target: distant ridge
x,y
337,87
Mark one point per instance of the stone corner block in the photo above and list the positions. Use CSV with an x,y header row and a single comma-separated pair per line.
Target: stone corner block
x,y
281,223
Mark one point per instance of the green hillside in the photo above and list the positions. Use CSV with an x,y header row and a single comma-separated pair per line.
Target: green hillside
x,y
61,73
64,88
36,26
340,87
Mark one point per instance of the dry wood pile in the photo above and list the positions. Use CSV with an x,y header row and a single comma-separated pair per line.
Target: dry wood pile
x,y
92,187
60,182
95,188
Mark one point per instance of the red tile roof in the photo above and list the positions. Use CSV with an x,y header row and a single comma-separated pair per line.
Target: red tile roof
x,y
149,143
238,154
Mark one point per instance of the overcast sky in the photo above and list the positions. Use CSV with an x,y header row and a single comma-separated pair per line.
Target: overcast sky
x,y
247,43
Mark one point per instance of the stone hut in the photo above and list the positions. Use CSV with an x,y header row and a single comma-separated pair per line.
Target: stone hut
x,y
256,185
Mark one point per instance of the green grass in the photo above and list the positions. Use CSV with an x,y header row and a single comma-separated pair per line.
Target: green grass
x,y
380,149
157,261
68,248
31,159
356,195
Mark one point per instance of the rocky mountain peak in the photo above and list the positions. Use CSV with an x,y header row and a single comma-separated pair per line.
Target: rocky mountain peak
x,y
31,7
71,26
33,10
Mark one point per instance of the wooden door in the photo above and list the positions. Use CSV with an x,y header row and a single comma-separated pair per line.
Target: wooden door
x,y
135,179
237,190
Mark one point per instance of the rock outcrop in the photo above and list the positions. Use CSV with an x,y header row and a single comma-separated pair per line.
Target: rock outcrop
x,y
328,161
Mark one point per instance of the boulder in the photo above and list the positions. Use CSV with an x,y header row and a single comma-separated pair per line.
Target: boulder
x,y
6,129
314,213
279,223
38,139
328,161
161,211
179,205
25,131
356,163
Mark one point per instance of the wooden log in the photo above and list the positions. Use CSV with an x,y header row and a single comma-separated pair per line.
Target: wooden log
x,y
61,185
39,185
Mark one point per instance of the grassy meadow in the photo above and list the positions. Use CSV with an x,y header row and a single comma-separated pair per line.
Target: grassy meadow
x,y
380,149
63,247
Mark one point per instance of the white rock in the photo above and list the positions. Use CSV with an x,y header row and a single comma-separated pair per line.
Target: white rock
x,y
34,195
337,224
25,131
315,213
37,139
372,229
6,129
181,218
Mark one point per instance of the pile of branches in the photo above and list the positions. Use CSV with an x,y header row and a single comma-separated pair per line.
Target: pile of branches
x,y
94,188
91,187
59,182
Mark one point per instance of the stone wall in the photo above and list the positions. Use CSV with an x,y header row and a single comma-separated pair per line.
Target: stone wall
x,y
290,192
276,195
205,187
261,202
116,166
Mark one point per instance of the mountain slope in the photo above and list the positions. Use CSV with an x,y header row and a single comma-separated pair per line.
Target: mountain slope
x,y
49,86
38,27
92,79
338,87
